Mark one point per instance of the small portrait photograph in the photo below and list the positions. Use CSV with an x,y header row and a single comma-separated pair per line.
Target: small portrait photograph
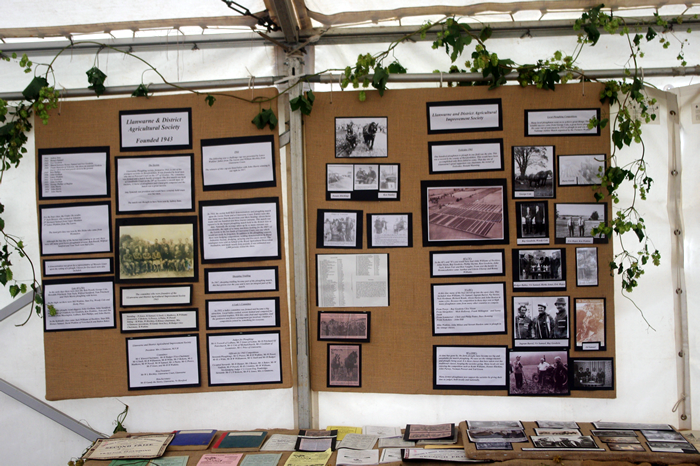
x,y
366,177
339,229
590,323
574,223
533,171
157,249
344,365
339,177
533,222
541,321
586,266
361,137
346,326
464,212
540,269
593,374
538,372
390,230
564,442
581,170
389,177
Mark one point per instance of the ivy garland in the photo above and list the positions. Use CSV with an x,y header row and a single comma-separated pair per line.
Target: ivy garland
x,y
634,107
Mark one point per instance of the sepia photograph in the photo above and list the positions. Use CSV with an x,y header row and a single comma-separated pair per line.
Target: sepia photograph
x,y
541,321
581,170
347,326
538,373
390,230
157,249
388,177
574,223
533,171
366,177
339,177
539,269
339,229
625,447
533,222
564,442
593,374
586,266
590,323
344,365
361,137
606,439
464,212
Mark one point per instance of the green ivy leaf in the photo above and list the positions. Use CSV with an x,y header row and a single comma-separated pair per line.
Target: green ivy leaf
x,y
96,78
650,34
31,92
210,99
140,91
396,68
265,117
381,77
14,290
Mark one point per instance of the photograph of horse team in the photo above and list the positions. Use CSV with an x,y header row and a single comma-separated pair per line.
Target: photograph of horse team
x,y
346,326
538,373
574,223
533,171
361,137
344,365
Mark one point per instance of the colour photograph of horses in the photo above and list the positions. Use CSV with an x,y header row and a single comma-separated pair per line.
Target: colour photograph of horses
x,y
538,373
344,365
361,137
533,171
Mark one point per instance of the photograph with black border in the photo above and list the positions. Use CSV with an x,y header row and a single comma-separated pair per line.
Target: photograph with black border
x,y
73,172
156,126
154,183
339,229
66,267
563,122
587,266
344,366
246,162
76,228
467,156
358,137
175,370
390,230
533,172
590,324
79,303
539,269
470,367
538,372
242,313
350,326
163,320
581,170
481,263
142,258
155,296
574,222
464,212
592,374
464,116
541,321
241,280
225,369
237,230
533,222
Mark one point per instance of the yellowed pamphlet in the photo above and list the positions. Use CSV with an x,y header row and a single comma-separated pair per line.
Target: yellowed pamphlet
x,y
305,458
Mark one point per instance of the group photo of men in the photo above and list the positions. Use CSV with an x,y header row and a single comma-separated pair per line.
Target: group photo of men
x,y
540,318
142,255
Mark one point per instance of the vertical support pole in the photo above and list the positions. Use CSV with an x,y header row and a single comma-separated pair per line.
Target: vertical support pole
x,y
303,392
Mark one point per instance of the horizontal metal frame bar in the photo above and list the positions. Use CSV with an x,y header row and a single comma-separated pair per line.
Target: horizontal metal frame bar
x,y
16,305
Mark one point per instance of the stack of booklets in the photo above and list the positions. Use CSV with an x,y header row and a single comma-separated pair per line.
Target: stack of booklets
x,y
192,439
431,434
240,441
316,440
495,435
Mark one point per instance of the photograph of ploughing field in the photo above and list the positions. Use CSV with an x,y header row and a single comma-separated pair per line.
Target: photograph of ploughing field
x,y
465,213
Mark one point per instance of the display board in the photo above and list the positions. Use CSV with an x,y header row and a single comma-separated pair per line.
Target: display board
x,y
450,243
162,248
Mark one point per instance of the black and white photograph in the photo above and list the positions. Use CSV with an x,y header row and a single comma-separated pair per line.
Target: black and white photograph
x,y
581,170
671,447
574,223
366,177
538,373
607,425
541,321
587,266
592,374
494,425
464,212
157,249
533,172
533,222
339,229
557,424
663,436
590,323
344,365
539,269
564,442
613,433
390,230
345,326
388,177
495,434
361,137
493,446
543,431
628,440
339,177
